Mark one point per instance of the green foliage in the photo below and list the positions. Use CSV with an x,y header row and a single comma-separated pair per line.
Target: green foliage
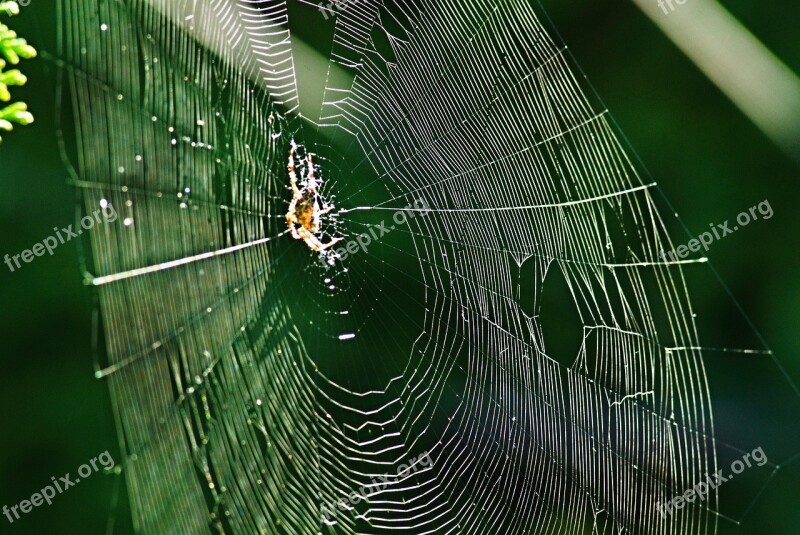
x,y
12,49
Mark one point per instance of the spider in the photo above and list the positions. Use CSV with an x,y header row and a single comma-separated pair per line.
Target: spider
x,y
304,215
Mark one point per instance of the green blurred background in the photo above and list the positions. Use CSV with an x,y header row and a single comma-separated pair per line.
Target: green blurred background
x,y
709,160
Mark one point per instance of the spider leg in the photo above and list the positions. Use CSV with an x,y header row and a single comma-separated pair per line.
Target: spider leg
x,y
328,245
293,183
310,166
326,210
293,173
291,157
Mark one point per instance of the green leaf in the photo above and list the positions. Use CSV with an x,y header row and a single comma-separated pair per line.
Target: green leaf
x,y
12,48
9,8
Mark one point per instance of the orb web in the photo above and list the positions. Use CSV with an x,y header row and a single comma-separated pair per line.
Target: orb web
x,y
259,390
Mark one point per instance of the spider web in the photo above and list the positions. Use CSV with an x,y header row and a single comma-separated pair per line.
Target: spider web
x,y
255,386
